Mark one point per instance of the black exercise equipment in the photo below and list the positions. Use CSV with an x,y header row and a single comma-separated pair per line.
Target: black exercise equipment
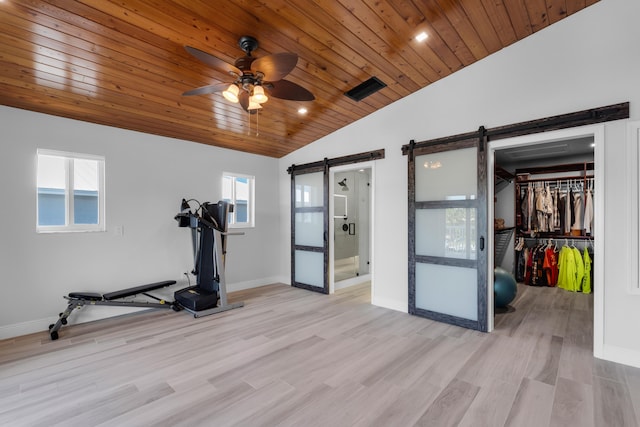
x,y
80,299
208,234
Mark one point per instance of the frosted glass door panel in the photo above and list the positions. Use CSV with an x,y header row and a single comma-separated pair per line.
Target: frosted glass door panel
x,y
310,229
310,268
309,190
449,232
448,290
448,175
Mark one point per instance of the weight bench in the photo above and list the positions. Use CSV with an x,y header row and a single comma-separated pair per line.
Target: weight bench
x,y
80,299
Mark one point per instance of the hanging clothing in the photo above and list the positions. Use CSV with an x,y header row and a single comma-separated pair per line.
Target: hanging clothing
x,y
555,216
550,266
530,208
538,277
577,203
540,210
572,207
562,199
586,283
571,269
579,269
567,212
567,269
588,212
528,271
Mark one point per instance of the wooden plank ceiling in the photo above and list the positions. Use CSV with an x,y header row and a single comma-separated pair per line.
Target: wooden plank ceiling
x,y
123,63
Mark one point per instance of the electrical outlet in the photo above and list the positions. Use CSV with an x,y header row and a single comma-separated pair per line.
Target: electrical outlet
x,y
118,230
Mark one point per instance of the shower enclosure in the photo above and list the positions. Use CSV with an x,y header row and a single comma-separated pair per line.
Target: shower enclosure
x,y
351,213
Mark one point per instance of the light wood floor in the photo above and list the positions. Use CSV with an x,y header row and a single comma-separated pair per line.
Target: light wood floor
x,y
295,358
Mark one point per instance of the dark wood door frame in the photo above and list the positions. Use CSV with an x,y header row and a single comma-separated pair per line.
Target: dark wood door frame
x,y
320,166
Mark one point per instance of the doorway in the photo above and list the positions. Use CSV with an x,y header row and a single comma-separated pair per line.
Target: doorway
x,y
544,143
312,222
350,249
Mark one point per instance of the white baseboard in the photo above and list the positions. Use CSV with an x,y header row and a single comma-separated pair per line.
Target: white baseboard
x,y
343,284
390,304
622,355
240,286
26,328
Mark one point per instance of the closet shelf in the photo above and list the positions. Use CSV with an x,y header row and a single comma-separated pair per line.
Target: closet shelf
x,y
502,179
505,230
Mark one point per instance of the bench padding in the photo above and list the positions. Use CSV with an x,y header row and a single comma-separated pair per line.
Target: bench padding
x,y
137,290
89,296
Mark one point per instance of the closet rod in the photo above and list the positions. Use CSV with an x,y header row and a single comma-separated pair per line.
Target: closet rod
x,y
556,237
560,178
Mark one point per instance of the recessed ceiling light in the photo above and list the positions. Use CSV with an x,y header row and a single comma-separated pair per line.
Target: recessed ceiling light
x,y
422,36
302,110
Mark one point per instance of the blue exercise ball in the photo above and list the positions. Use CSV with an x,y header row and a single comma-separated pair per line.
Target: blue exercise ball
x,y
504,287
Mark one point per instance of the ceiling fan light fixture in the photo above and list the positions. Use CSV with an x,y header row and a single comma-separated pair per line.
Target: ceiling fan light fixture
x,y
253,105
231,94
259,95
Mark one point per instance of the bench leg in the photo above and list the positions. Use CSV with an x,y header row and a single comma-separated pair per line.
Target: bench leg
x,y
62,320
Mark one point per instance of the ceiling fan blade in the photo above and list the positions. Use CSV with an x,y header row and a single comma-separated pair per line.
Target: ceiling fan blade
x,y
213,61
284,89
206,89
275,67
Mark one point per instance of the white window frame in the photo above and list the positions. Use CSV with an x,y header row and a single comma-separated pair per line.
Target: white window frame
x,y
69,184
251,208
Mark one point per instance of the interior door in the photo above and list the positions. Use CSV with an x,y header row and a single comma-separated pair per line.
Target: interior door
x,y
310,226
447,233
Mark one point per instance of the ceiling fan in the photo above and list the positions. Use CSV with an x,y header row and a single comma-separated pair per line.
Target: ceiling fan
x,y
252,76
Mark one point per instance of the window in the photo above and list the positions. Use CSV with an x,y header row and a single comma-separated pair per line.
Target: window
x,y
70,193
239,190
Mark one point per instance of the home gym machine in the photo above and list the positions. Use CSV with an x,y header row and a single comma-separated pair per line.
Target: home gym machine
x,y
209,232
209,238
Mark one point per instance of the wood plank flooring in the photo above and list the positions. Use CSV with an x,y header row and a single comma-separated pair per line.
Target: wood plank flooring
x,y
295,358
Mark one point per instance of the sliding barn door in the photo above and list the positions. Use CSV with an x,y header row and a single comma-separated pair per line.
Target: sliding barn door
x,y
310,227
447,233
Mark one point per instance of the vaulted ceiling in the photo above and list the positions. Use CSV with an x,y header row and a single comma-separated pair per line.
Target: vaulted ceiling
x,y
123,63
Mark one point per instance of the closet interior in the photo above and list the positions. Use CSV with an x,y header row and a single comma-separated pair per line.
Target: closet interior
x,y
544,208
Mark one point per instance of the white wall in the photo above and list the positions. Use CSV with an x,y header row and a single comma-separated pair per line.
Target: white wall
x,y
146,177
588,60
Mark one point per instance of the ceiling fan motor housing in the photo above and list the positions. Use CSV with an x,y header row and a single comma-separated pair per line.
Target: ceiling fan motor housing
x,y
248,44
244,63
